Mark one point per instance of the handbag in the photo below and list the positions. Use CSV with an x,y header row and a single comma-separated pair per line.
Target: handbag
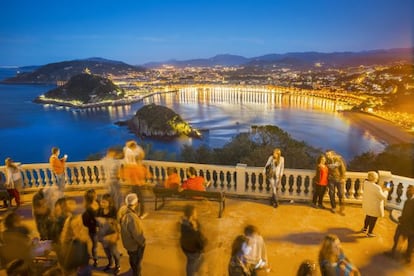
x,y
269,171
75,254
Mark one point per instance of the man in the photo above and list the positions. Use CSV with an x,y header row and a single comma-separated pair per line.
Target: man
x,y
41,214
255,250
132,233
336,179
194,182
58,168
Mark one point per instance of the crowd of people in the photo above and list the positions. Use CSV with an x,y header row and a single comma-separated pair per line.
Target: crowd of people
x,y
74,237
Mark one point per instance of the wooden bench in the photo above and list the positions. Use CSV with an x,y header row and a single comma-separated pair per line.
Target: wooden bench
x,y
163,193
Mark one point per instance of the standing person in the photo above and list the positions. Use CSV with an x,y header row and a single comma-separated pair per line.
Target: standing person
x,y
14,181
255,251
58,168
238,265
336,179
321,181
332,260
112,181
276,165
373,202
89,221
192,240
41,214
132,233
132,151
109,235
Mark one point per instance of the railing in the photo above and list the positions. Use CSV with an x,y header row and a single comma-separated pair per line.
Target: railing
x,y
296,184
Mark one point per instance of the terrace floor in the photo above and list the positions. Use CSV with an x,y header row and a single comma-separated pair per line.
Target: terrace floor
x,y
292,233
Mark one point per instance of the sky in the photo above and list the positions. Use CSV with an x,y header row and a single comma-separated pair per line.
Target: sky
x,y
140,31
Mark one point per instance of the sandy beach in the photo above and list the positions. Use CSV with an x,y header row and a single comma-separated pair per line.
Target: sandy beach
x,y
383,130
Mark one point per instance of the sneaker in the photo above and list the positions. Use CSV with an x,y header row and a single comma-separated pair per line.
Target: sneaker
x,y
117,269
363,230
321,206
333,211
314,206
371,235
144,215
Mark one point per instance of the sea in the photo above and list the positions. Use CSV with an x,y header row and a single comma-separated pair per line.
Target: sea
x,y
29,130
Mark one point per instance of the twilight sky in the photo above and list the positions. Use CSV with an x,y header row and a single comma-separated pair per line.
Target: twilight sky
x,y
140,31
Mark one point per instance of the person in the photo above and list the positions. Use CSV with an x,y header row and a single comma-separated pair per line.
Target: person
x,y
16,244
58,218
332,260
136,175
108,233
255,251
173,179
307,268
89,220
276,162
58,168
321,182
41,214
192,240
14,181
194,182
238,265
336,179
132,233
132,151
112,181
405,225
373,202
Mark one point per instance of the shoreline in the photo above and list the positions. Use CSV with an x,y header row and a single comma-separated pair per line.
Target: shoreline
x,y
380,128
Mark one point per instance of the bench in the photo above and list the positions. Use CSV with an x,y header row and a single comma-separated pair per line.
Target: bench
x,y
163,193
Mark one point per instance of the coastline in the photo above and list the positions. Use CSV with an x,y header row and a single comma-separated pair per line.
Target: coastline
x,y
380,128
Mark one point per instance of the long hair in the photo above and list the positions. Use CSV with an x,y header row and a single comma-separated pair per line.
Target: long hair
x,y
237,245
279,153
9,163
326,252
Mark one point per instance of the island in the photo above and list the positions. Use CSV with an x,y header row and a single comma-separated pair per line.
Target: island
x,y
82,91
160,122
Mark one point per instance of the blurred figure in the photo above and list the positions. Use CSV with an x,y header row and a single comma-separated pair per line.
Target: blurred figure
x,y
276,165
321,182
307,268
132,233
373,202
405,228
41,214
238,265
112,183
173,179
336,179
332,260
58,168
16,245
108,233
89,220
194,182
132,151
192,240
255,251
14,181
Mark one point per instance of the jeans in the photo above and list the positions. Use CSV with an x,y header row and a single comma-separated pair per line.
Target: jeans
x,y
193,262
114,189
336,185
318,194
138,191
135,259
94,239
274,184
369,223
111,251
60,181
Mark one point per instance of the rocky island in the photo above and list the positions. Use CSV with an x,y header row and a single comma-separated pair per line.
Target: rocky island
x,y
158,121
84,90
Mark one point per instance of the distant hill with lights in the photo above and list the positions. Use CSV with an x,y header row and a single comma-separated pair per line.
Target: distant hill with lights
x,y
63,71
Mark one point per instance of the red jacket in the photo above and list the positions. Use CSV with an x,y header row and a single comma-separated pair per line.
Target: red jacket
x,y
194,183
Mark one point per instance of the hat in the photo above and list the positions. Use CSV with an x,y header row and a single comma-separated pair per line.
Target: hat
x,y
131,199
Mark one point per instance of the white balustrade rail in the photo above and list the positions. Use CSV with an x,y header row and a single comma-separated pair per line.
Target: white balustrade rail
x,y
296,184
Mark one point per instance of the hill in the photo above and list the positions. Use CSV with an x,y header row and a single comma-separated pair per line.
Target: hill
x,y
83,89
63,71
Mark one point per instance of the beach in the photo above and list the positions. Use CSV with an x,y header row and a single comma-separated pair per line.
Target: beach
x,y
383,130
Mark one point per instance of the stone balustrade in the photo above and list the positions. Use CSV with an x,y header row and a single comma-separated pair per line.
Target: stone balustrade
x,y
296,184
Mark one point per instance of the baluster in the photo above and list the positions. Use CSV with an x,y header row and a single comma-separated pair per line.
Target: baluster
x,y
215,179
32,179
352,189
307,184
39,181
94,175
46,178
255,183
25,180
283,183
291,183
358,188
82,176
72,176
299,185
400,189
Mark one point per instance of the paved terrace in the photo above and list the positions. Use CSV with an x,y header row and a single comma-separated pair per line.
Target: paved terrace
x,y
292,233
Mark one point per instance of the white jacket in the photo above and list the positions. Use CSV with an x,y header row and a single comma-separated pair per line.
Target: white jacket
x,y
373,199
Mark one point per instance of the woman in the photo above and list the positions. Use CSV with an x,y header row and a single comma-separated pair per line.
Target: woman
x,y
192,240
108,234
238,265
89,220
14,181
321,182
332,260
373,202
276,165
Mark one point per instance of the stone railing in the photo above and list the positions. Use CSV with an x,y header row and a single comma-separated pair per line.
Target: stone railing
x,y
242,180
